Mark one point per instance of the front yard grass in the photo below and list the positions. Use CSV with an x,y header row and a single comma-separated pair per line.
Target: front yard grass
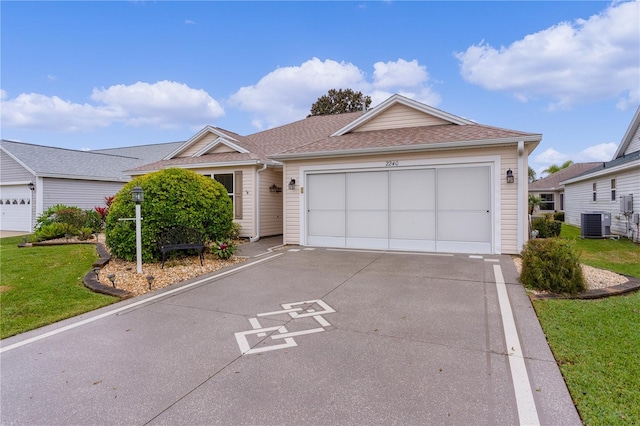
x,y
42,285
597,342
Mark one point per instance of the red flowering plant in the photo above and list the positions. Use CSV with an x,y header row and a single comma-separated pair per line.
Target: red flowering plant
x,y
223,249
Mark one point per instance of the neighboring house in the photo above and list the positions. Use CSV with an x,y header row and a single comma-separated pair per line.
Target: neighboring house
x,y
602,189
551,191
34,178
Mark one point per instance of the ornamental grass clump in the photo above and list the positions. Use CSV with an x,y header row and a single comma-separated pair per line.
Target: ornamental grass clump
x,y
552,265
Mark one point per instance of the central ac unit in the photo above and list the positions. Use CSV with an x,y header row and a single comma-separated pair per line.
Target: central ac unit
x,y
595,224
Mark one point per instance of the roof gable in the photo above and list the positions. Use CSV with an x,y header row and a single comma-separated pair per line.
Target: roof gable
x,y
631,139
207,138
399,112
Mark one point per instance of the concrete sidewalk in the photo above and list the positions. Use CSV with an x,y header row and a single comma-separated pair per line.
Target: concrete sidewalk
x,y
260,247
300,336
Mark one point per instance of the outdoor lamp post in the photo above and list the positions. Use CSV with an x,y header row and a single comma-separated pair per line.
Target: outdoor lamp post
x,y
137,194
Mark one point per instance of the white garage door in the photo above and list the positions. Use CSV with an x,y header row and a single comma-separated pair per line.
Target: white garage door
x,y
15,208
435,209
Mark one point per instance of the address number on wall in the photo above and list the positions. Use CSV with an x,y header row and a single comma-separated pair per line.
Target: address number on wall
x,y
392,163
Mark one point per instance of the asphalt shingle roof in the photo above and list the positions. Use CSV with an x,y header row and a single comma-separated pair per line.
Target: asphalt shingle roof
x,y
52,161
552,182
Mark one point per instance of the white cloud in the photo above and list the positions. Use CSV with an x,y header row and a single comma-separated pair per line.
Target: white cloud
x,y
189,22
600,152
3,94
569,63
286,94
165,104
551,156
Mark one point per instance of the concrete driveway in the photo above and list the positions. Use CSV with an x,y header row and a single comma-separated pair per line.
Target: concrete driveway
x,y
300,337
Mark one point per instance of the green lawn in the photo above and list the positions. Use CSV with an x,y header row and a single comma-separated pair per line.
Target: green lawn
x,y
597,342
42,285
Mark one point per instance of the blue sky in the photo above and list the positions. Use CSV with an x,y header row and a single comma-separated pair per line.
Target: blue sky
x,y
90,75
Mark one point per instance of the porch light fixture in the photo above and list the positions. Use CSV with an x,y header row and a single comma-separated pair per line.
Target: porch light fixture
x,y
292,184
137,194
510,176
32,186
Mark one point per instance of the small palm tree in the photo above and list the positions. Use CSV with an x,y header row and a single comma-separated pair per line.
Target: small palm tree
x,y
555,168
533,203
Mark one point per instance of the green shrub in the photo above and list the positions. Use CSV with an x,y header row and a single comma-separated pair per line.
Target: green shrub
x,y
559,216
234,232
546,227
73,217
52,231
552,265
85,234
171,197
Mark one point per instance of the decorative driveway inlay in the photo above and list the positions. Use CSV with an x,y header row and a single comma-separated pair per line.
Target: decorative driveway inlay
x,y
297,310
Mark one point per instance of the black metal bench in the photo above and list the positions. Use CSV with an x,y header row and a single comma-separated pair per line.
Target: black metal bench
x,y
181,238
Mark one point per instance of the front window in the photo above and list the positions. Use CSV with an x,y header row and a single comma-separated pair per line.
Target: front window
x,y
226,179
547,202
562,202
594,192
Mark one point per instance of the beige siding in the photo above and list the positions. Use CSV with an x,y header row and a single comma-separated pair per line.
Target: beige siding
x,y
85,194
578,198
221,148
634,145
206,140
400,116
270,203
248,196
508,192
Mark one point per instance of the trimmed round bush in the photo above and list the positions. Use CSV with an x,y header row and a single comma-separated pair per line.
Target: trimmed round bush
x,y
546,227
171,197
552,265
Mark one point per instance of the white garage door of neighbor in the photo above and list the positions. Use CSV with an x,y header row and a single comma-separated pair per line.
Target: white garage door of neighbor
x,y
435,209
15,208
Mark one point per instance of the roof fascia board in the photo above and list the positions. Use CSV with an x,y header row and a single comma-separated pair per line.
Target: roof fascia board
x,y
82,177
408,148
194,138
603,172
196,166
398,99
626,139
218,141
16,159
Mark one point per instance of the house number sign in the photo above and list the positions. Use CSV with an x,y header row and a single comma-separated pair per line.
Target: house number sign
x,y
392,163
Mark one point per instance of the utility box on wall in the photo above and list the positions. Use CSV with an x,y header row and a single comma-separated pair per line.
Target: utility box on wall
x,y
626,204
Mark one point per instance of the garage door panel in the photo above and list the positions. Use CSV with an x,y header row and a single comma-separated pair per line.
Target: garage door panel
x,y
367,223
464,226
463,188
328,223
412,189
367,191
15,208
413,225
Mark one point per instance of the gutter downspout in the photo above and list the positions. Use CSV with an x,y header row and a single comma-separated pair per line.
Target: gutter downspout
x,y
256,203
521,185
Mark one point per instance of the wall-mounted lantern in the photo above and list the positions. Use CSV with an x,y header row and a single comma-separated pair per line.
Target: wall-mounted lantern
x,y
510,177
292,184
32,186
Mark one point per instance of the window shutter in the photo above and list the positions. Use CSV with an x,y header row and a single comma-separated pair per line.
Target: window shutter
x,y
237,192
